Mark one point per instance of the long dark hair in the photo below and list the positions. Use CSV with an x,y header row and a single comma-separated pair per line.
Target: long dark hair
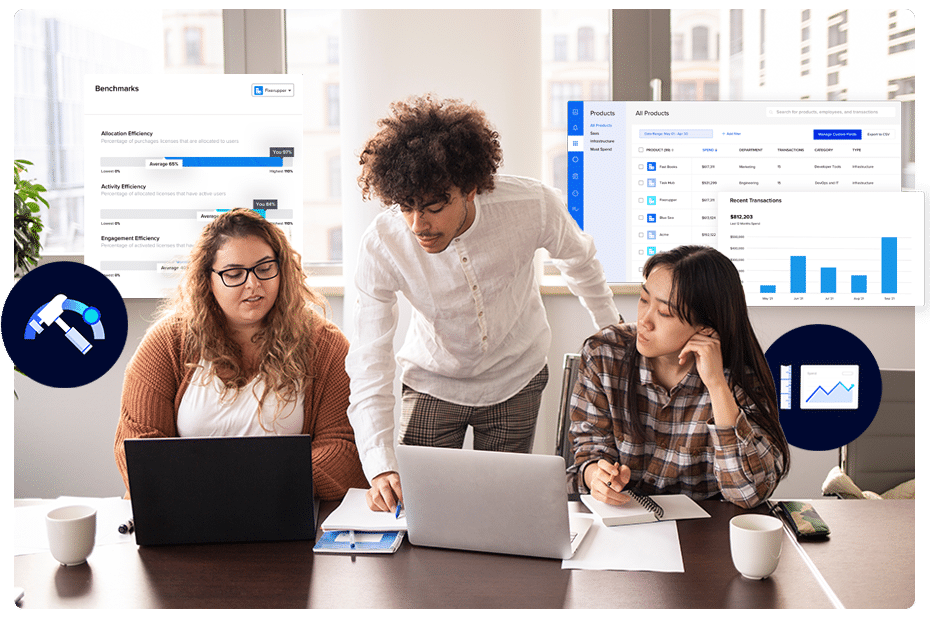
x,y
707,291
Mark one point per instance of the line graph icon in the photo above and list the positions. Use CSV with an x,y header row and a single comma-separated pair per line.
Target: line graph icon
x,y
833,395
830,386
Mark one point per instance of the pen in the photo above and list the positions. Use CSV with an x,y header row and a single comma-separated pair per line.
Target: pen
x,y
397,511
127,528
352,539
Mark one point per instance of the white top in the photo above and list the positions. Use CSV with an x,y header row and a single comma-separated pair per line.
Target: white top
x,y
478,333
203,413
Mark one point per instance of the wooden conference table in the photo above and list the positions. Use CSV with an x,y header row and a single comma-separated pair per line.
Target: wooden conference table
x,y
867,562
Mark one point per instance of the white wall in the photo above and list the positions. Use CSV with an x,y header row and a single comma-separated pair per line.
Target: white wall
x,y
389,55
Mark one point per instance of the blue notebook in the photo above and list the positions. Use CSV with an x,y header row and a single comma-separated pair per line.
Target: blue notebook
x,y
340,541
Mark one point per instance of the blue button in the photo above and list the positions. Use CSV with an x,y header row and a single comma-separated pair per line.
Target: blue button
x,y
837,134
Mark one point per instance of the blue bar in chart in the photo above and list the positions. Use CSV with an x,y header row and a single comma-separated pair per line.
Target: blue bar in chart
x,y
889,265
766,288
798,274
858,284
828,279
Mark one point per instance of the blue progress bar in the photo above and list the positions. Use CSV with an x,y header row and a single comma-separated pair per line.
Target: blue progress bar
x,y
230,162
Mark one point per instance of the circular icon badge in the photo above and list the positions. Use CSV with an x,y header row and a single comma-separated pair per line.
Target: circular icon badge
x,y
829,386
64,324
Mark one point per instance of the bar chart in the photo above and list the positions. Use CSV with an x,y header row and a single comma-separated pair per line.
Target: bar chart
x,y
838,249
858,283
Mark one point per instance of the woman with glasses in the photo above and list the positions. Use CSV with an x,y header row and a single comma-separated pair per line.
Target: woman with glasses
x,y
240,351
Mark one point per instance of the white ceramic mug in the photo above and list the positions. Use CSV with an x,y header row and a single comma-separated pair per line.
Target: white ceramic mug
x,y
755,544
71,532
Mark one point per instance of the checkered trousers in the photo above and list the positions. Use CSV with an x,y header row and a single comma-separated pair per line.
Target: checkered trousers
x,y
505,427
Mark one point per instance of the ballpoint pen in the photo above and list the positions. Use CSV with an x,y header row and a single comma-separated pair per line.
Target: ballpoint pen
x,y
352,539
397,510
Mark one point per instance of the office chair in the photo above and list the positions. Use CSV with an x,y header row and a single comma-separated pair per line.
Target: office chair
x,y
563,442
883,456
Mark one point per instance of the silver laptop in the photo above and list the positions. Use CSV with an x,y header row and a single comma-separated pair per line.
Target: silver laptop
x,y
498,502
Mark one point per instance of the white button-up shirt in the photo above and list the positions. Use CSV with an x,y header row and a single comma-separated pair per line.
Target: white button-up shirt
x,y
478,332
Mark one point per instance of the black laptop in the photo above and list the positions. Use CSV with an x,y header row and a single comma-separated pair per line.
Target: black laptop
x,y
221,489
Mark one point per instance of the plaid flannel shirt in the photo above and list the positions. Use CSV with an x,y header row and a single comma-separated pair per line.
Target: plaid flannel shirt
x,y
683,451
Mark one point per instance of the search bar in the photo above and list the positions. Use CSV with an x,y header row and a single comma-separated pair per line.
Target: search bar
x,y
830,112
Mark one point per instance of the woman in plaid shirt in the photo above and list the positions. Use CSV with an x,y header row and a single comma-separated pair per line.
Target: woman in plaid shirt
x,y
683,401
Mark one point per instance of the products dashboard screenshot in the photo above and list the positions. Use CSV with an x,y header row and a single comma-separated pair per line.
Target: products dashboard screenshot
x,y
644,177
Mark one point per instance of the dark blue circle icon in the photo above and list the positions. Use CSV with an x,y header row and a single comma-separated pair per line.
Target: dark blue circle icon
x,y
64,324
829,386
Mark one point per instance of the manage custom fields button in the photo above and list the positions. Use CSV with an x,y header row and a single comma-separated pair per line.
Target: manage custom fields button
x,y
837,134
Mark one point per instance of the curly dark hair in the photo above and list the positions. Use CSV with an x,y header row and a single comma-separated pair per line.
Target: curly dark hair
x,y
425,148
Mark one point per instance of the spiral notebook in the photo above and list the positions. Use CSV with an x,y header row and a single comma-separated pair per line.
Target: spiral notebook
x,y
645,509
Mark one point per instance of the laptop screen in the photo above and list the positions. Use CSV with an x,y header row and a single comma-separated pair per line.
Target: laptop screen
x,y
221,489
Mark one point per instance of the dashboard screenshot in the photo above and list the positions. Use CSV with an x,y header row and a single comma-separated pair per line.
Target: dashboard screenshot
x,y
644,177
825,249
165,154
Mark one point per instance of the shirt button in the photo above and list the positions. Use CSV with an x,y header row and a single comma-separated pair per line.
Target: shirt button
x,y
475,287
464,259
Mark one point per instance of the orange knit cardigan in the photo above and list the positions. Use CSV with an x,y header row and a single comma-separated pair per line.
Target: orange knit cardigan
x,y
156,379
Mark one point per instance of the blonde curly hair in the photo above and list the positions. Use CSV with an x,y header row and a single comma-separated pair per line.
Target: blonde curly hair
x,y
285,339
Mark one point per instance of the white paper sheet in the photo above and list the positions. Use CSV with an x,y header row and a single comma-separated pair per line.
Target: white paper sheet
x,y
644,546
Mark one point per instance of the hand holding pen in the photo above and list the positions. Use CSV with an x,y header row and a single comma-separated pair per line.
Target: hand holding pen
x,y
385,492
607,481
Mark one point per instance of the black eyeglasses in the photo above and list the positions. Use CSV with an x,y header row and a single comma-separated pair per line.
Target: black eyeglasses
x,y
238,275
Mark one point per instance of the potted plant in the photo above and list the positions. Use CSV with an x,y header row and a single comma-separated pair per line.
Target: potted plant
x,y
26,222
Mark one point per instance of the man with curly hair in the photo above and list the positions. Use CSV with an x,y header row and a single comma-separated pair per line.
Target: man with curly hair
x,y
457,240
